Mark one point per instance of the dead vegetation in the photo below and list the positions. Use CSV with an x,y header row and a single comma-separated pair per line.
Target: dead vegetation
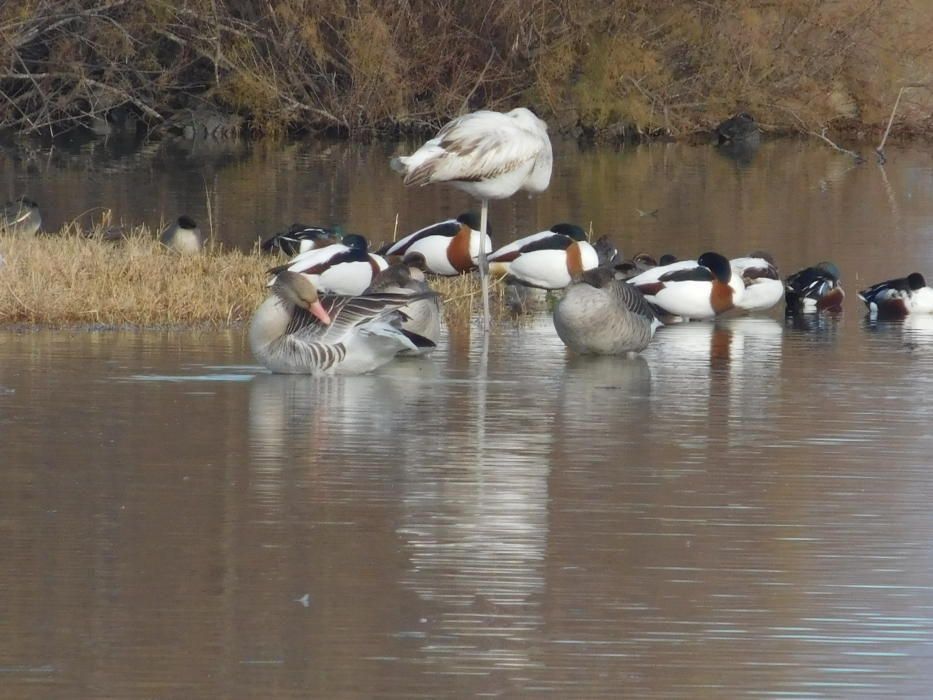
x,y
78,278
623,68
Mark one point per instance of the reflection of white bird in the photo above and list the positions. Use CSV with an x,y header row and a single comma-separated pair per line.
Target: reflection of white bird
x,y
490,155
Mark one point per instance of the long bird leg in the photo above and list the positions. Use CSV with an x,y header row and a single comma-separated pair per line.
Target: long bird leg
x,y
483,265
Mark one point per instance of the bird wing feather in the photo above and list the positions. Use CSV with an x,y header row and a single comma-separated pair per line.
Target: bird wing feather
x,y
477,146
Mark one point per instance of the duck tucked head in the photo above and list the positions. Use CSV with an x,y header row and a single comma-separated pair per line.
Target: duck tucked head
x,y
915,281
569,230
397,275
829,268
597,277
355,242
295,289
471,219
718,265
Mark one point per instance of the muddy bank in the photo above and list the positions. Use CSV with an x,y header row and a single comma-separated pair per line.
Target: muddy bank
x,y
608,70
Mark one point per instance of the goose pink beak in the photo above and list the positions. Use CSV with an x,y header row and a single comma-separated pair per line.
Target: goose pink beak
x,y
319,312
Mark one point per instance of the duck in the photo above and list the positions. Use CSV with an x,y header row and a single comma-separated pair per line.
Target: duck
x,y
21,217
763,286
606,251
739,127
602,315
898,298
692,290
300,239
627,268
447,248
816,288
345,268
423,315
183,236
548,259
297,331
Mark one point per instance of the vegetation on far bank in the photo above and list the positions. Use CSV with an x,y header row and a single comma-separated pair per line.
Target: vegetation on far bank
x,y
616,68
79,278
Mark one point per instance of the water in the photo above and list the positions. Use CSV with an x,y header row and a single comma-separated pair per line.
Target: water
x,y
742,511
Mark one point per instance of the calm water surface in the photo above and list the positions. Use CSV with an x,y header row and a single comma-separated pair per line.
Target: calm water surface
x,y
743,511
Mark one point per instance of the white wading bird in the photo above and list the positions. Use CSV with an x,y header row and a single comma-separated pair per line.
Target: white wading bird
x,y
489,155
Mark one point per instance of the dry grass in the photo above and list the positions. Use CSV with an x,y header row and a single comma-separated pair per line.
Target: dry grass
x,y
73,279
625,68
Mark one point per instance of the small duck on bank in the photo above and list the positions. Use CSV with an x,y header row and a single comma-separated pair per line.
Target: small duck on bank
x,y
605,316
296,331
423,315
549,259
21,217
300,239
813,289
346,268
447,248
898,298
183,236
692,290
763,286
739,128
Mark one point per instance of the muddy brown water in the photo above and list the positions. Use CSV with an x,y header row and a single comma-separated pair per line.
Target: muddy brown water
x,y
742,511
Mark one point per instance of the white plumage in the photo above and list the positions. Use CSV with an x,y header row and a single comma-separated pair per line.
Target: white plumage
x,y
342,268
763,285
549,259
692,289
489,155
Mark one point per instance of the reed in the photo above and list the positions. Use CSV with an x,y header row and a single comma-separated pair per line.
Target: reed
x,y
77,278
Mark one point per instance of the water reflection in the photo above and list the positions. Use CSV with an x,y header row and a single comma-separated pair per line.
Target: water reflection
x,y
742,511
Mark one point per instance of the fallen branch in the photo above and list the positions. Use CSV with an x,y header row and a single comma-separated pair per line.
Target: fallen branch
x,y
882,159
822,135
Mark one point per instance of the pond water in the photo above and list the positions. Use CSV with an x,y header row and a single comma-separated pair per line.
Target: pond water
x,y
742,511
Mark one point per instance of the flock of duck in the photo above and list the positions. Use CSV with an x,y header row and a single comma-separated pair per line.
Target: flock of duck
x,y
336,307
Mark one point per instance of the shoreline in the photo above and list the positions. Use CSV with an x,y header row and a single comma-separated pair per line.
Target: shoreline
x,y
136,284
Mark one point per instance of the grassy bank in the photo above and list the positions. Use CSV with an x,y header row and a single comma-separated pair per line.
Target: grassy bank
x,y
617,68
78,279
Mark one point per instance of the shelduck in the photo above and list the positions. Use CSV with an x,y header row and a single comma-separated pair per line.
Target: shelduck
x,y
689,289
300,239
763,286
548,259
346,268
448,248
